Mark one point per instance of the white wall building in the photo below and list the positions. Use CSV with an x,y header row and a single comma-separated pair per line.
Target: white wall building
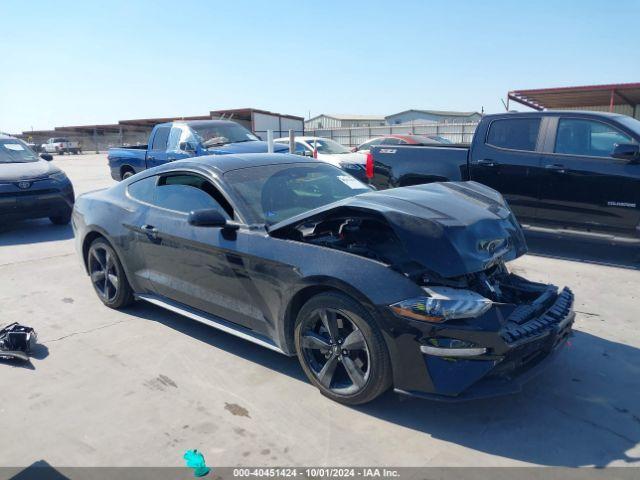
x,y
412,116
341,121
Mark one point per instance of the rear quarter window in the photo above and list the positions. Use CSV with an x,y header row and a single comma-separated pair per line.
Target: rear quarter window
x,y
143,190
514,133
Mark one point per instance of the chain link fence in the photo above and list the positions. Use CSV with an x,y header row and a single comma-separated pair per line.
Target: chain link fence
x,y
353,136
101,140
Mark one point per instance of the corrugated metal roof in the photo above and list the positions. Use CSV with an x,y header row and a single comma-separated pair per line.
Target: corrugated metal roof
x,y
246,113
572,97
349,117
442,113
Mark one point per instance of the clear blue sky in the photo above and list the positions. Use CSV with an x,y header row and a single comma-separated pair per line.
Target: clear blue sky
x,y
70,63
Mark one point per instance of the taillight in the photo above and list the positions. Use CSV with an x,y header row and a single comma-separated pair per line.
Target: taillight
x,y
61,145
369,165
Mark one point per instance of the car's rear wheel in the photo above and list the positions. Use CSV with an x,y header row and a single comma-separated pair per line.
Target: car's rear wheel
x,y
341,349
107,275
126,174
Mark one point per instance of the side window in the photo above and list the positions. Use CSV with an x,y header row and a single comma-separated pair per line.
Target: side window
x,y
160,138
514,134
187,137
587,137
143,189
173,144
186,192
392,141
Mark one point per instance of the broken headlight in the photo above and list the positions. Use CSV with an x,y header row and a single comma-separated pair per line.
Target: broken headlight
x,y
442,304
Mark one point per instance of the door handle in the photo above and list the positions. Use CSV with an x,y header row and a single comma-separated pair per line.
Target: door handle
x,y
151,158
486,163
556,168
150,230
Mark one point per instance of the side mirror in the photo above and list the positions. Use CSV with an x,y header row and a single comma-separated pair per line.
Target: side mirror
x,y
211,217
354,149
627,151
46,156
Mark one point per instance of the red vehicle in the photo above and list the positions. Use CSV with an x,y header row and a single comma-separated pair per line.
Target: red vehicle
x,y
400,140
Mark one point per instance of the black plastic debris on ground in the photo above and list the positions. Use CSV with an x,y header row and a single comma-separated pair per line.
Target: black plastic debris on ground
x,y
17,341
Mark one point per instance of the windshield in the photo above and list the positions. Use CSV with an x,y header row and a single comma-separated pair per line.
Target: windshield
x,y
13,150
212,135
329,147
632,124
273,193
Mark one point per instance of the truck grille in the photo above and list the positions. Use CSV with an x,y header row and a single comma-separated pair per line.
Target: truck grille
x,y
520,327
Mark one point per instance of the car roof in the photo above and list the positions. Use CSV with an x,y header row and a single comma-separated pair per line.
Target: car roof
x,y
221,164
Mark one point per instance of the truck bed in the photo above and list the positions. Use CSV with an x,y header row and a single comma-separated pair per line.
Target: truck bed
x,y
122,159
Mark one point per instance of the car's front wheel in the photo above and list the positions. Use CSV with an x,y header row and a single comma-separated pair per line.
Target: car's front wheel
x,y
107,275
341,349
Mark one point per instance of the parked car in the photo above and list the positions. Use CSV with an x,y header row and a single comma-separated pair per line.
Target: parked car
x,y
330,151
406,287
400,140
37,148
31,187
556,169
177,140
61,146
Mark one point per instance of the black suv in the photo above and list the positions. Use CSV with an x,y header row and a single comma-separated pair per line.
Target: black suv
x,y
30,187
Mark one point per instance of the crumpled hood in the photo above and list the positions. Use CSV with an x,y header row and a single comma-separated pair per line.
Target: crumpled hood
x,y
257,146
452,228
26,170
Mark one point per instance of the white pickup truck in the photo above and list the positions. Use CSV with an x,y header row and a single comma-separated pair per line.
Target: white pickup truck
x,y
61,146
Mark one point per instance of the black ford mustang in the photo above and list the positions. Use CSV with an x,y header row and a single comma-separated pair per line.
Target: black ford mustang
x,y
406,287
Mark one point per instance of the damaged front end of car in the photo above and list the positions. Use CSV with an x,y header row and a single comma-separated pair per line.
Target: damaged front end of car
x,y
474,329
487,336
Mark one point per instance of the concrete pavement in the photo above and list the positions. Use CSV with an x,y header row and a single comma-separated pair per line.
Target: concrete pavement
x,y
139,387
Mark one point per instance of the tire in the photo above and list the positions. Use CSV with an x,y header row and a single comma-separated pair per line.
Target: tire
x,y
329,362
61,219
126,174
112,286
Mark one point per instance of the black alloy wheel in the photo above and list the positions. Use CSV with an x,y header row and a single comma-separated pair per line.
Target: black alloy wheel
x,y
341,349
107,275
